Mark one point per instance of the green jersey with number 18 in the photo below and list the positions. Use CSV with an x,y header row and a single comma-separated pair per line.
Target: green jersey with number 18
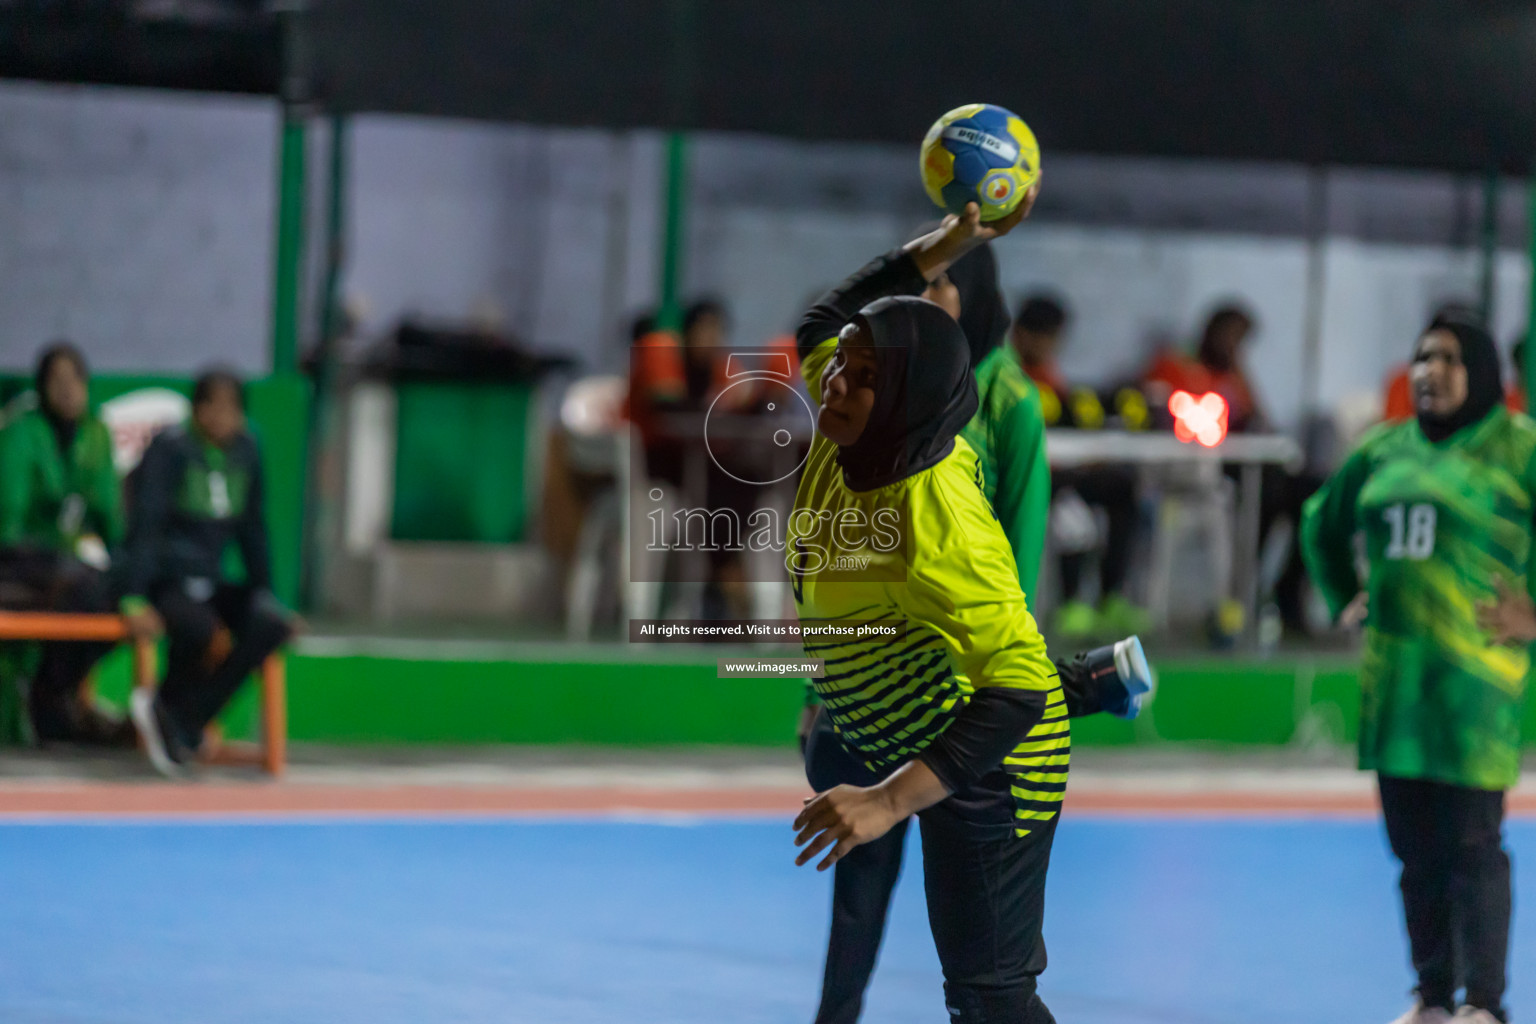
x,y
1442,523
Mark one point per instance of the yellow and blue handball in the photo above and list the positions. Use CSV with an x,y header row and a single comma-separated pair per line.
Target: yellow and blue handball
x,y
980,154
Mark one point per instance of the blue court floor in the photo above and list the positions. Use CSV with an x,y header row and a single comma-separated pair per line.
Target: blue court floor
x,y
1149,922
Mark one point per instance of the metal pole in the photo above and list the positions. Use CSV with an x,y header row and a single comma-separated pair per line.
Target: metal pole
x,y
670,315
1490,243
288,271
1317,277
330,330
681,88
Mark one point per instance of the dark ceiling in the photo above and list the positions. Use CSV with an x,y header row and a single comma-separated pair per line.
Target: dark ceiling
x,y
1414,83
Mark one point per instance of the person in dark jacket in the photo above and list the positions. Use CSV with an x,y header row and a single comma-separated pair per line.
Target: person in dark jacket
x,y
60,512
198,492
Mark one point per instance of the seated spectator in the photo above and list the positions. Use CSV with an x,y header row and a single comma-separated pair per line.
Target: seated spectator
x,y
60,512
1220,354
1037,333
197,492
1282,493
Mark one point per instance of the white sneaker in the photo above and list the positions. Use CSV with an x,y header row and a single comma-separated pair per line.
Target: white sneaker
x,y
141,708
1421,1014
1473,1015
1135,674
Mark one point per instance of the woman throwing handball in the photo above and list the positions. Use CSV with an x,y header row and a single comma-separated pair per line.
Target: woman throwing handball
x,y
964,710
1007,435
1446,503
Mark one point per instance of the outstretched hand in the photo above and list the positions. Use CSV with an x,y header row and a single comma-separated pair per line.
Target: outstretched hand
x,y
843,817
959,233
1509,619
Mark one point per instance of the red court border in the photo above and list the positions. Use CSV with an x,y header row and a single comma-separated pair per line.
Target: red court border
x,y
224,801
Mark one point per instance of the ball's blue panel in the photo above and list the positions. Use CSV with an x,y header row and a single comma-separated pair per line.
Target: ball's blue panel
x,y
990,119
970,166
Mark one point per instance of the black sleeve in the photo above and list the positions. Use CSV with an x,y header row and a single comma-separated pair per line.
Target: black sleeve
x,y
252,531
895,273
994,722
155,480
1091,683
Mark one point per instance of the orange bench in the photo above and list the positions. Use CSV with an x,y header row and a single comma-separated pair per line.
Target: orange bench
x,y
271,753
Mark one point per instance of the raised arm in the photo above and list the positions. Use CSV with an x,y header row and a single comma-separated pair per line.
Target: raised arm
x,y
905,271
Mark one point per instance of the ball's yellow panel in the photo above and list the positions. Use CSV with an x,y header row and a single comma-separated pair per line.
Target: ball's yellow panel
x,y
938,170
1001,189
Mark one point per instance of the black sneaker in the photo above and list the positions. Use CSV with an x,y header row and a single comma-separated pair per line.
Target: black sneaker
x,y
160,742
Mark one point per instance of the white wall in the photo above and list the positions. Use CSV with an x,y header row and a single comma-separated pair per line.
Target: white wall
x,y
140,224
551,235
137,223
1128,290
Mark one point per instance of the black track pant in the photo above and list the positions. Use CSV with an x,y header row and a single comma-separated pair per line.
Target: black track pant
x,y
47,581
195,691
863,881
986,906
1455,885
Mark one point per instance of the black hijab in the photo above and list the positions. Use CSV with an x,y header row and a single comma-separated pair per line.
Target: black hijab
x,y
64,430
924,392
1485,386
983,311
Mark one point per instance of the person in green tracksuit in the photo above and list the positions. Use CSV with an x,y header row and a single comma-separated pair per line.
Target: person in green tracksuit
x,y
1008,431
1445,504
199,492
60,513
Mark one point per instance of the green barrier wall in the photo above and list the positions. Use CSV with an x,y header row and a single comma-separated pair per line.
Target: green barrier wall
x,y
558,696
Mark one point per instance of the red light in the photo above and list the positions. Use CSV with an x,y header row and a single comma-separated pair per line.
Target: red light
x,y
1202,419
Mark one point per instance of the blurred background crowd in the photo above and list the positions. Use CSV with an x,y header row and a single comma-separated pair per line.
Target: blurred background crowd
x,y
471,348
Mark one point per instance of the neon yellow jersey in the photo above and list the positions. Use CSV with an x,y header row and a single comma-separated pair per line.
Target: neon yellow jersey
x,y
928,551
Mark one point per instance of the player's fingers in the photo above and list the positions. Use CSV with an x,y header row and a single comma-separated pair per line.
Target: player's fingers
x,y
808,823
825,816
812,805
804,835
813,823
838,853
809,853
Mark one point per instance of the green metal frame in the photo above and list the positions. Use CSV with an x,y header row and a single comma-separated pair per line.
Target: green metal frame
x,y
288,271
669,314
